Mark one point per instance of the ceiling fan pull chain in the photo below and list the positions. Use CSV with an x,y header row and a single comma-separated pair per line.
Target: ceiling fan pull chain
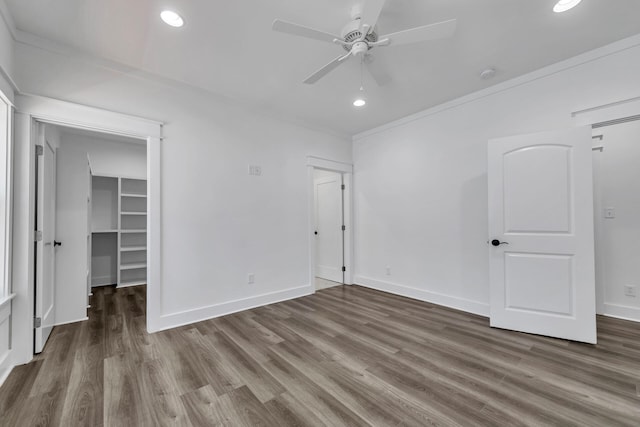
x,y
361,72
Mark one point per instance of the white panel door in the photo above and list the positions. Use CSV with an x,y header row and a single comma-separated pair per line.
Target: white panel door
x,y
541,234
329,246
45,247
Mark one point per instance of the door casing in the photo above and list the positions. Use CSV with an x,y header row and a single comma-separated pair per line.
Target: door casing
x,y
346,169
29,111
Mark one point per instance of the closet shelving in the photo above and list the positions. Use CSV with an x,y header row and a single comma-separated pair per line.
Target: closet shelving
x,y
132,253
119,231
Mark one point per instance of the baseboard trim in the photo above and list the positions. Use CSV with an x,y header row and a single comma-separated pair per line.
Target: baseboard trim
x,y
5,375
6,366
102,281
621,312
66,322
457,303
174,320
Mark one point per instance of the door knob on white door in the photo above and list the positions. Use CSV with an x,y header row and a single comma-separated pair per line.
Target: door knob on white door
x,y
496,242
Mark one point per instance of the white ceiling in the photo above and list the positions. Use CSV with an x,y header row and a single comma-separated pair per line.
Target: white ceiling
x,y
227,47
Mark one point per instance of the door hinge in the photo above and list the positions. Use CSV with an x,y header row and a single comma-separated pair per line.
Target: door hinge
x,y
342,187
37,322
344,228
37,236
39,150
344,268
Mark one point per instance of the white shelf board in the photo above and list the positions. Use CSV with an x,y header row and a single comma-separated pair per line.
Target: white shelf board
x,y
133,248
133,266
133,213
144,230
114,230
132,283
143,196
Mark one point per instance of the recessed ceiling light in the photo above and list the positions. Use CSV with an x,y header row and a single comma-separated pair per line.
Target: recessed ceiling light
x,y
172,18
360,102
564,5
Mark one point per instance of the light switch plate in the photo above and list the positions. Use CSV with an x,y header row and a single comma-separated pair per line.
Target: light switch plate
x,y
609,212
255,170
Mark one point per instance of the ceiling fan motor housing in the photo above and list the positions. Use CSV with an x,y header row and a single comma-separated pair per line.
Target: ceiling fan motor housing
x,y
351,33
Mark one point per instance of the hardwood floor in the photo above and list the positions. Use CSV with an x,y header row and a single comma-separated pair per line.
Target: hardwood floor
x,y
344,356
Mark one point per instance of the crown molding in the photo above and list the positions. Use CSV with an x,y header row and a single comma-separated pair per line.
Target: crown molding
x,y
558,67
34,41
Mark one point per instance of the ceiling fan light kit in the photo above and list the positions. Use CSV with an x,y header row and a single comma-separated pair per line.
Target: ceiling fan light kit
x,y
564,5
359,102
360,36
172,18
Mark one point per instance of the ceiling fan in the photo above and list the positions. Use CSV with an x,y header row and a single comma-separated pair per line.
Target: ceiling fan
x,y
360,36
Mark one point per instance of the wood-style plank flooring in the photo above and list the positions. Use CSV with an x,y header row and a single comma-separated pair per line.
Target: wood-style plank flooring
x,y
344,356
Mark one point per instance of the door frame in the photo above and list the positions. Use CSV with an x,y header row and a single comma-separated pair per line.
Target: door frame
x,y
30,110
346,169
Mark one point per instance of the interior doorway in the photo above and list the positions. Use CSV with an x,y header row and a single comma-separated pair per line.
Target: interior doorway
x,y
330,223
616,160
91,221
329,228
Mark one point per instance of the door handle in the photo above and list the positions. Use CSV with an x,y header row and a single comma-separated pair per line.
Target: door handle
x,y
315,232
55,243
496,242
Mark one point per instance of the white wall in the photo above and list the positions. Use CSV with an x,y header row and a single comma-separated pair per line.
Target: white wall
x,y
218,223
421,183
110,158
617,173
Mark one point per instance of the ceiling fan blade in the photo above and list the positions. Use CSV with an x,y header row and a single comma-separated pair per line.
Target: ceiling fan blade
x,y
302,31
377,71
440,30
326,69
370,13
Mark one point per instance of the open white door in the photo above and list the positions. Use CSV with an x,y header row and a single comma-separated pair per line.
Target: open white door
x,y
329,232
541,234
45,244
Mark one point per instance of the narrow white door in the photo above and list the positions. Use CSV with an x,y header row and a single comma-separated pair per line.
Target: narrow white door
x,y
45,246
329,246
541,234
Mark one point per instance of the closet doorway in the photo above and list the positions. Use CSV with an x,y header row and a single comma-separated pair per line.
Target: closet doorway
x,y
616,172
99,194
